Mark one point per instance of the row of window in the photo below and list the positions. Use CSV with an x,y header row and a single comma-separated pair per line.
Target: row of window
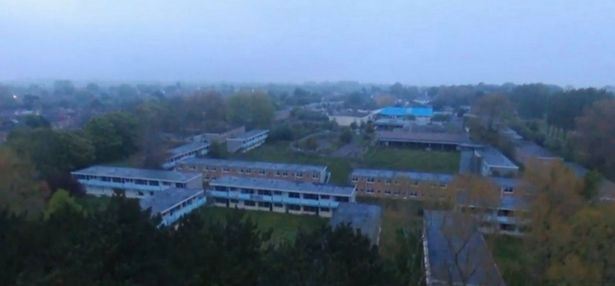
x,y
291,207
131,181
279,193
262,172
389,181
182,205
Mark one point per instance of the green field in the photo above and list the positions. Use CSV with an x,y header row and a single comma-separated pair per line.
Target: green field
x,y
411,159
284,227
511,260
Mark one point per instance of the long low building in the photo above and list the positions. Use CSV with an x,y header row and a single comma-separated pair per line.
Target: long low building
x,y
427,140
132,182
190,150
402,184
215,168
278,195
247,141
172,204
494,163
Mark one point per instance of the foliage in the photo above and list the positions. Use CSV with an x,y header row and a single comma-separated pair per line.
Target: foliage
x,y
281,133
595,136
35,121
492,110
346,136
61,200
404,159
251,109
20,191
114,135
566,106
531,100
217,150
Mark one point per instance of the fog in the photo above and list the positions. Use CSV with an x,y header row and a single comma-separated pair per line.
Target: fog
x,y
413,42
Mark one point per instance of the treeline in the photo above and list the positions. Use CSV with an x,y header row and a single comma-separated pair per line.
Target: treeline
x,y
54,153
118,244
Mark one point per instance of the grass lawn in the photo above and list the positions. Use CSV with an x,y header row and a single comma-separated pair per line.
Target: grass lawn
x,y
284,226
411,159
396,214
280,152
510,257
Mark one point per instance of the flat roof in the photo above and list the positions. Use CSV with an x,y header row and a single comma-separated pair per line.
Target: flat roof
x,y
252,164
188,147
535,150
445,239
493,157
124,172
162,201
364,217
419,176
282,185
423,137
249,134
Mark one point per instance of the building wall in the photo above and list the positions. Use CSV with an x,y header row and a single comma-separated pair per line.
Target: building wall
x,y
261,199
245,144
402,188
487,171
98,187
211,172
172,161
170,216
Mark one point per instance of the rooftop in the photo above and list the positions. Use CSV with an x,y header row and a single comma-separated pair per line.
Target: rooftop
x,y
493,157
252,164
123,172
282,185
418,111
535,150
445,239
188,148
424,137
249,134
161,201
419,176
364,217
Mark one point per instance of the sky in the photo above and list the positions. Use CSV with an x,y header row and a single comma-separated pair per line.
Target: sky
x,y
429,42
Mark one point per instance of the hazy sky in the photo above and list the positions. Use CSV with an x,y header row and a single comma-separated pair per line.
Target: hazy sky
x,y
414,42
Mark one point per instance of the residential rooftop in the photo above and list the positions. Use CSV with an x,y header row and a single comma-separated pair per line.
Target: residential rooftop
x,y
281,185
221,163
249,134
455,252
494,158
162,201
418,176
188,147
364,217
134,173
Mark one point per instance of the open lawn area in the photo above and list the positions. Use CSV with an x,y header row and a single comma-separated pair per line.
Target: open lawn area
x,y
396,214
411,159
284,226
280,152
510,258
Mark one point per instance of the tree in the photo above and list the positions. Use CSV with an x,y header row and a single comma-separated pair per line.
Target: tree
x,y
491,110
595,136
61,200
251,109
114,135
566,106
20,192
346,136
217,150
531,100
35,121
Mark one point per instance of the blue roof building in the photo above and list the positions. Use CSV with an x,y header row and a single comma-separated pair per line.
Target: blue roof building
x,y
173,204
400,112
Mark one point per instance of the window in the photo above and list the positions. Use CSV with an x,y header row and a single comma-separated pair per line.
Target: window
x,y
354,179
504,213
277,193
264,204
220,201
140,193
507,189
278,205
325,197
180,185
325,209
262,172
294,207
310,209
299,175
341,199
234,201
370,179
264,192
294,195
247,191
226,170
249,203
310,197
278,173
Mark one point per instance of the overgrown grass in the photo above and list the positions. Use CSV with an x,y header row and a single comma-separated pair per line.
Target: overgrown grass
x,y
284,227
412,159
511,259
